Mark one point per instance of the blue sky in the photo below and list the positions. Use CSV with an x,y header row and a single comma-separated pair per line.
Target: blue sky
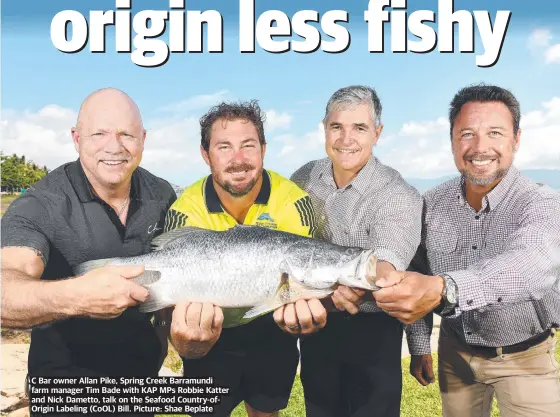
x,y
42,87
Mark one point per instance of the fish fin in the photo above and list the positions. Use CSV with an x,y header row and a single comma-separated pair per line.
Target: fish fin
x,y
262,309
299,291
167,238
152,304
147,278
280,298
84,267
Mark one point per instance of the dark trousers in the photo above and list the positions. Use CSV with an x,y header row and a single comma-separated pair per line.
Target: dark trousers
x,y
352,367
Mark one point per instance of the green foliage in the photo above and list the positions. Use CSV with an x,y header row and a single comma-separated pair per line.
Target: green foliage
x,y
17,173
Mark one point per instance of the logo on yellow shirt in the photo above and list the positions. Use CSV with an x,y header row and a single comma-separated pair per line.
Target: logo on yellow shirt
x,y
266,220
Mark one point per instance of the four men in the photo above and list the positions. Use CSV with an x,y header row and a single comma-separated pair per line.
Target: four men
x,y
487,258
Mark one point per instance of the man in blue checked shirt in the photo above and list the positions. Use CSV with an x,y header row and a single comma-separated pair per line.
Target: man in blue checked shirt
x,y
490,250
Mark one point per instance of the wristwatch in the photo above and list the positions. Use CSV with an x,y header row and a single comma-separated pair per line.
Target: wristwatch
x,y
449,295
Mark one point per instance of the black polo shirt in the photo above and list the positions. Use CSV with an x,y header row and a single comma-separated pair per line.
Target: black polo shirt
x,y
61,217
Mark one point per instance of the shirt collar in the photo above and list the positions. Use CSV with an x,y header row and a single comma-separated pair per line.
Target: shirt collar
x,y
83,187
496,195
363,182
213,203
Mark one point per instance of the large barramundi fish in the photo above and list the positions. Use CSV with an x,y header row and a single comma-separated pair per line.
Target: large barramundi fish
x,y
249,270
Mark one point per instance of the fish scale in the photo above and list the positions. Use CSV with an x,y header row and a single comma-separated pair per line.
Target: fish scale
x,y
248,267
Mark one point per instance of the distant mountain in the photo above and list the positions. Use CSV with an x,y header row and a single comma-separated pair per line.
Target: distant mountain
x,y
549,177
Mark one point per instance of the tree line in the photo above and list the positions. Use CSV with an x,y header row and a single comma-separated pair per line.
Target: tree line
x,y
18,174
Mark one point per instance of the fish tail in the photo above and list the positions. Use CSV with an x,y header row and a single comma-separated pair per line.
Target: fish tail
x,y
85,267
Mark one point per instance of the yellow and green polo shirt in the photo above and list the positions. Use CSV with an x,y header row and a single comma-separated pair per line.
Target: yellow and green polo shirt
x,y
280,205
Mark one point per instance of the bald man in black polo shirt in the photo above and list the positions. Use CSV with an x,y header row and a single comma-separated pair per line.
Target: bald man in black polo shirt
x,y
102,205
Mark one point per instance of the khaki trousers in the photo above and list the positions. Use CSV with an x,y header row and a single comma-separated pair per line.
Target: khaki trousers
x,y
526,383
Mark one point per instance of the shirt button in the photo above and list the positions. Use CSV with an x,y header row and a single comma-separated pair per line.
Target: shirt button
x,y
469,302
477,217
474,247
469,333
499,299
323,217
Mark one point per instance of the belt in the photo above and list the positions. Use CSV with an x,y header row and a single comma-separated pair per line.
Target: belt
x,y
492,352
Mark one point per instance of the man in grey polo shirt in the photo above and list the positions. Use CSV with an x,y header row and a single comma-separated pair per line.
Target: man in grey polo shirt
x,y
102,205
352,367
489,264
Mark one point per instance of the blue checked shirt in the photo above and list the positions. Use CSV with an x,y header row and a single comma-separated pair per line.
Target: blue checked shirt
x,y
378,210
505,259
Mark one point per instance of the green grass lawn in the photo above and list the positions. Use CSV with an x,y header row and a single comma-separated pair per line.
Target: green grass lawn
x,y
417,401
5,201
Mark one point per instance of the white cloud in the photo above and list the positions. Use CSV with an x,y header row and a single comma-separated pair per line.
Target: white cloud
x,y
552,54
295,150
419,129
540,146
539,38
423,149
276,121
540,42
43,137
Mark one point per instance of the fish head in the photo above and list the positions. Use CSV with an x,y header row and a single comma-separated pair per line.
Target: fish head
x,y
360,271
322,267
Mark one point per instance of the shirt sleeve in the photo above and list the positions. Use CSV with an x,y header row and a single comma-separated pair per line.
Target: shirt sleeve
x,y
27,223
526,269
418,335
395,229
182,213
298,216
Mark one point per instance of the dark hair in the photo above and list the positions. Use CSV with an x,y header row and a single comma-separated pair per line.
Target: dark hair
x,y
484,93
249,111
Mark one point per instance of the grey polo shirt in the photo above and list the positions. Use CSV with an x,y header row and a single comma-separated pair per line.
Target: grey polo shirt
x,y
62,219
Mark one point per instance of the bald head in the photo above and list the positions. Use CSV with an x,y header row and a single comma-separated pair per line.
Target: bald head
x,y
109,101
109,137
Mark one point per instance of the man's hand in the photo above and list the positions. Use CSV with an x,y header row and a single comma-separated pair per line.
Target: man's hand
x,y
302,317
409,296
195,328
349,299
421,368
104,293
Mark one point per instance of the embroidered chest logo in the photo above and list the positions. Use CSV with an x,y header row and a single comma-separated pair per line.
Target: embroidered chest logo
x,y
266,220
153,228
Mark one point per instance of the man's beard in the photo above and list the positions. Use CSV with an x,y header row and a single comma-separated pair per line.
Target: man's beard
x,y
229,187
484,181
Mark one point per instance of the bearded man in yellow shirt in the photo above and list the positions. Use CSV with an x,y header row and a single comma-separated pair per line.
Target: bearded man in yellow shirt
x,y
257,362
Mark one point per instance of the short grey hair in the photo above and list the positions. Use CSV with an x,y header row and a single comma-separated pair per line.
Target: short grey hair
x,y
352,96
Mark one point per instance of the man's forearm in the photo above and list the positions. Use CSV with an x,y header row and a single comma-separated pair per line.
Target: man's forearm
x,y
28,302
